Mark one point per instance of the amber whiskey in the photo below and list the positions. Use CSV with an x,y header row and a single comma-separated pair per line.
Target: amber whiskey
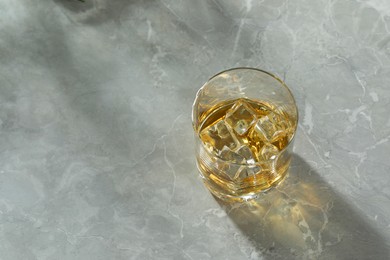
x,y
243,147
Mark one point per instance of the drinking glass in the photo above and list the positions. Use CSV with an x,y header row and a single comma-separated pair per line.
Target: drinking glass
x,y
244,121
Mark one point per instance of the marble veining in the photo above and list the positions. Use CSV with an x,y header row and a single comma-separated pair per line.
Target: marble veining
x,y
96,143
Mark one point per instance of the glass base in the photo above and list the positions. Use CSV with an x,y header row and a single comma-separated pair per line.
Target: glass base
x,y
232,192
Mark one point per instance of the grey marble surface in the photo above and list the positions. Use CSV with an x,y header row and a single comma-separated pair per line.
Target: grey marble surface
x,y
96,143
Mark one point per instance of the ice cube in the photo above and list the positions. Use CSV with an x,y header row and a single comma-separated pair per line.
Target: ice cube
x,y
229,155
231,163
269,127
230,170
268,152
247,171
264,128
246,152
236,160
216,136
240,117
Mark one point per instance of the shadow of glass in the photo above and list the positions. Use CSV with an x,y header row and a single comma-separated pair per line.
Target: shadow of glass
x,y
304,218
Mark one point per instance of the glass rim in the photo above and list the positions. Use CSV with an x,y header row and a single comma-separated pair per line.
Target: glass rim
x,y
254,69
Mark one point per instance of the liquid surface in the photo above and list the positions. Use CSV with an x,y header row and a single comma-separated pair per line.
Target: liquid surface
x,y
242,142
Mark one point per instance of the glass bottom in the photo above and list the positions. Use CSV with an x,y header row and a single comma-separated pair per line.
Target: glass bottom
x,y
238,192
